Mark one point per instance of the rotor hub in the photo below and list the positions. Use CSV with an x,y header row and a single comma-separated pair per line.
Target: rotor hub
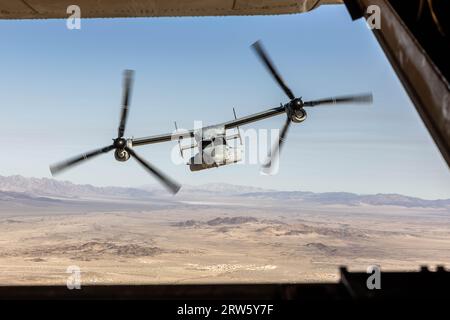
x,y
297,103
295,110
120,143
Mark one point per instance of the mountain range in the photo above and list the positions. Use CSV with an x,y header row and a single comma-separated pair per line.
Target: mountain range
x,y
44,187
351,199
19,188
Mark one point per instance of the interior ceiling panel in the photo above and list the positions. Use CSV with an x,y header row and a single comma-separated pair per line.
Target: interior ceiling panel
x,y
47,9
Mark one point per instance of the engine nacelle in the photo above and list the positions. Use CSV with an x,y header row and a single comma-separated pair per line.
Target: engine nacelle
x,y
121,155
298,115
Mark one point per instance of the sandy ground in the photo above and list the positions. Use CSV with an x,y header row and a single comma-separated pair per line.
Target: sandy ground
x,y
209,243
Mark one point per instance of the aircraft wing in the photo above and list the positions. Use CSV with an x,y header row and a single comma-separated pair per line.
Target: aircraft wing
x,y
253,117
226,125
45,9
177,134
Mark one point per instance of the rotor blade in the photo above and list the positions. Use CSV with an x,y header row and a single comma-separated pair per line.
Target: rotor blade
x,y
169,183
61,166
277,146
363,98
127,83
262,54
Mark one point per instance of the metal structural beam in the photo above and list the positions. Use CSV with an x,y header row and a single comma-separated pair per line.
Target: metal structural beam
x,y
416,66
48,9
423,284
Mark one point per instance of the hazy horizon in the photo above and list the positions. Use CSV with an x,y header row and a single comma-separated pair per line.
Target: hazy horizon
x,y
157,186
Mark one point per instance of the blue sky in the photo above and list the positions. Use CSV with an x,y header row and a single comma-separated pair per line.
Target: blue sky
x,y
61,92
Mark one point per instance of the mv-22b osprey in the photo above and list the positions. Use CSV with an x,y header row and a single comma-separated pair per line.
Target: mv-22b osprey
x,y
211,141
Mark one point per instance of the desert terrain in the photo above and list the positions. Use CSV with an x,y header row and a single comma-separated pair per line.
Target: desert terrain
x,y
210,237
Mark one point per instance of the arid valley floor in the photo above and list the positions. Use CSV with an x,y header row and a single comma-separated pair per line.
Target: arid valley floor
x,y
215,239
